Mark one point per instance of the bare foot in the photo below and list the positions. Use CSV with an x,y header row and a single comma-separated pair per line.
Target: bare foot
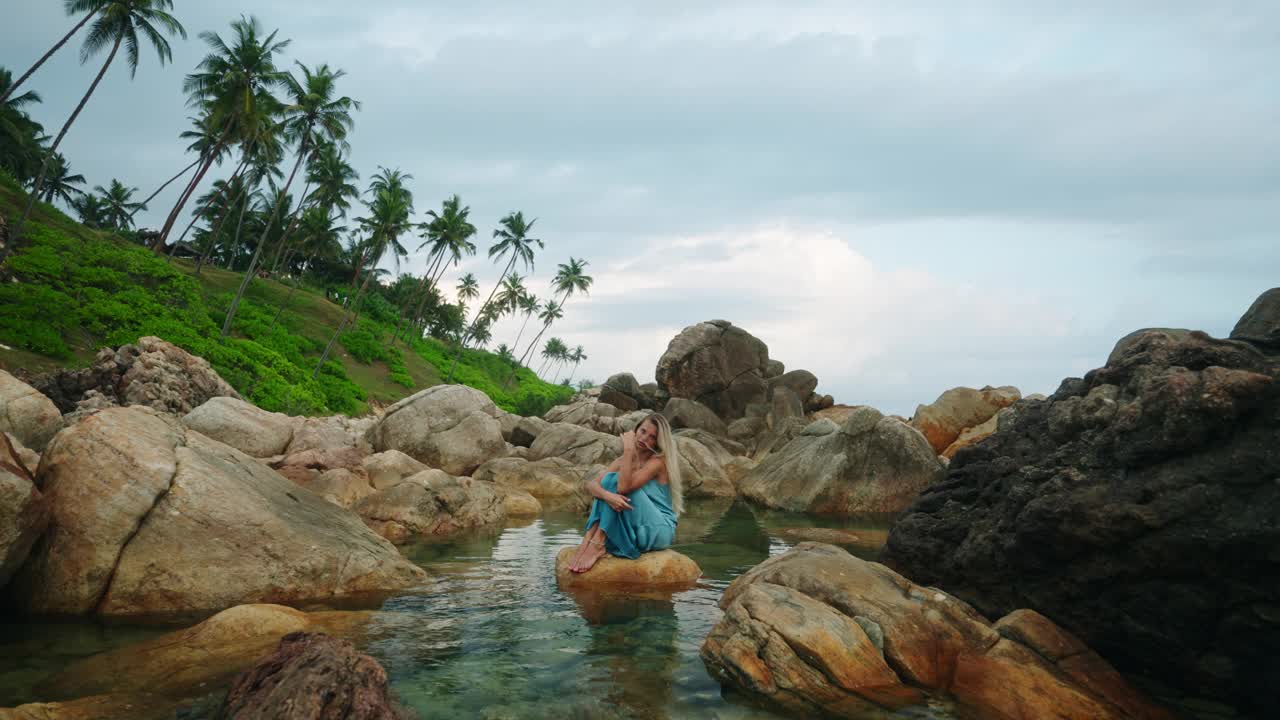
x,y
594,553
576,562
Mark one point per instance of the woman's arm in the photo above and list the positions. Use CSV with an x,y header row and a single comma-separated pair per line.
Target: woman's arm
x,y
634,480
595,488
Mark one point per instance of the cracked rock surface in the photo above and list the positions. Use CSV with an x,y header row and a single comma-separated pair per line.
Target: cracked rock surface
x,y
817,631
149,518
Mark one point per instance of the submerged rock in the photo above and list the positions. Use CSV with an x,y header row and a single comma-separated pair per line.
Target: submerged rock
x,y
96,707
818,629
311,676
661,569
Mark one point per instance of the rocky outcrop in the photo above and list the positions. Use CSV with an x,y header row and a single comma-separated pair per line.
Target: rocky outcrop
x,y
527,430
685,413
958,409
623,392
576,444
818,631
702,469
800,382
871,463
665,569
1260,325
24,513
244,426
153,373
28,415
587,412
431,503
975,434
554,481
336,432
450,427
149,518
1136,507
719,365
390,468
311,676
305,467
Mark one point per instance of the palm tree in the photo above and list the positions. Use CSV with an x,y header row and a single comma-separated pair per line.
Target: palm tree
x,y
509,296
529,305
73,7
61,183
230,86
90,209
570,278
554,350
577,356
513,238
313,114
504,352
20,136
118,205
468,289
334,181
449,233
118,23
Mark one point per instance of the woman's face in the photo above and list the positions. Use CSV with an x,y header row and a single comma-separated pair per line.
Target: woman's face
x,y
647,435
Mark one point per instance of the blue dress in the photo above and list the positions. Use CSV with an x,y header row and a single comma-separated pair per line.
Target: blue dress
x,y
650,524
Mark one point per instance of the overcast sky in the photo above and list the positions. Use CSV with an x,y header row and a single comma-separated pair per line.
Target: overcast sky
x,y
901,197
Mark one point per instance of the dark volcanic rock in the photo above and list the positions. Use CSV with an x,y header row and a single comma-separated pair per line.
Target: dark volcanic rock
x,y
1138,507
311,676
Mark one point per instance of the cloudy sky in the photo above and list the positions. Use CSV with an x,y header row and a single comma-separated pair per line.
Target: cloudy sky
x,y
901,197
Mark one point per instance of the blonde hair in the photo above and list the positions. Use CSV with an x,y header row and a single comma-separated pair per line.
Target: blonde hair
x,y
670,454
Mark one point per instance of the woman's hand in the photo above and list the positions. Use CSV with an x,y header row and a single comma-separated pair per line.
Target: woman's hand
x,y
628,441
618,502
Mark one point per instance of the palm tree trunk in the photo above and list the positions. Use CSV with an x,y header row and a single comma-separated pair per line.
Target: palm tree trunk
x,y
166,184
527,350
287,298
422,291
324,357
293,225
205,209
235,241
191,190
516,344
479,314
575,372
57,46
257,252
16,233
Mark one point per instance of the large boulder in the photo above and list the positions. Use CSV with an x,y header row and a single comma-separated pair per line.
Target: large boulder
x,y
306,466
1261,324
24,512
553,480
28,415
702,470
719,365
149,518
1136,507
622,391
685,413
819,629
871,463
311,676
432,503
450,427
527,430
976,434
664,569
800,382
390,468
244,426
330,433
958,409
153,373
577,444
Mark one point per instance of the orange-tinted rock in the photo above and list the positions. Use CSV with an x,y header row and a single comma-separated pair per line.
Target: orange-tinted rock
x,y
958,409
664,568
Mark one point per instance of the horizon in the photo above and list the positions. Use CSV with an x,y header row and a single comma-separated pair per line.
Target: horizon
x,y
900,200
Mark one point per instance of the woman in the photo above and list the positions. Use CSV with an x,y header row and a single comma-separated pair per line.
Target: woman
x,y
637,500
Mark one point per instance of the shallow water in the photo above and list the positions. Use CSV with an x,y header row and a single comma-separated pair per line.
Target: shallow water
x,y
491,636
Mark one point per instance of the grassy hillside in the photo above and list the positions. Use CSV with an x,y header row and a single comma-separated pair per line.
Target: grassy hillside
x,y
78,289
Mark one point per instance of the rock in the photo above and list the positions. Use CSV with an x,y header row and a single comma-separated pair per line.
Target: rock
x,y
836,413
958,409
744,430
1125,345
28,415
738,468
554,481
311,677
864,539
450,427
976,434
869,464
244,426
24,511
702,471
390,468
1260,325
651,397
774,439
29,458
96,707
625,403
800,382
773,369
785,406
518,503
724,448
153,373
527,430
305,467
818,629
1109,508
341,487
666,569
185,663
622,391
508,422
150,518
431,503
576,444
718,365
330,433
684,413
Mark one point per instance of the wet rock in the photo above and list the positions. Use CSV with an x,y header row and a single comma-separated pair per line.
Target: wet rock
x,y
958,409
149,518
25,413
717,364
96,707
431,503
818,629
661,569
1112,506
154,373
244,426
450,427
311,676
871,463
864,539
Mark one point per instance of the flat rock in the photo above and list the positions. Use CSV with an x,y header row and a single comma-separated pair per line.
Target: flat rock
x,y
661,569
